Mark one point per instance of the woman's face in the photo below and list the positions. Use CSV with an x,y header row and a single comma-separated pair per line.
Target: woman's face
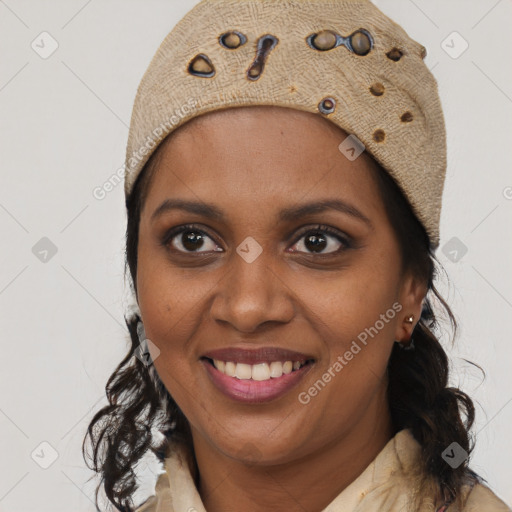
x,y
264,273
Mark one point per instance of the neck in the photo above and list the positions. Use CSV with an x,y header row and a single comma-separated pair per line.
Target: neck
x,y
307,483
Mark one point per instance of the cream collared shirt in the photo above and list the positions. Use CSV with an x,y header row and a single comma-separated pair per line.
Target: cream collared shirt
x,y
386,485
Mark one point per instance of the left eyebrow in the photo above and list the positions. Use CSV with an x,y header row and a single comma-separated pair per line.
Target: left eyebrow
x,y
287,214
321,206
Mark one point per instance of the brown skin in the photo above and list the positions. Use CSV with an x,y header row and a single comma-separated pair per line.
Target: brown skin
x,y
251,163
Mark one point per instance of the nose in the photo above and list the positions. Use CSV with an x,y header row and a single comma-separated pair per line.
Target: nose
x,y
252,294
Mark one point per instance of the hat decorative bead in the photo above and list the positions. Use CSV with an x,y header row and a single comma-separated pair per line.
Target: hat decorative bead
x,y
327,106
266,43
395,54
406,117
361,42
232,40
379,135
201,65
377,89
325,40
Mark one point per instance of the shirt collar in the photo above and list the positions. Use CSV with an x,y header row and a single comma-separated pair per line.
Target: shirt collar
x,y
175,489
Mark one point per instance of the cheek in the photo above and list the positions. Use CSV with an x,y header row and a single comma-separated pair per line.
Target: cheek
x,y
353,373
171,301
354,312
345,303
168,296
171,312
171,324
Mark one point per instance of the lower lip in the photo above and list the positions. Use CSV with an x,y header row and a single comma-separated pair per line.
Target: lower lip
x,y
254,391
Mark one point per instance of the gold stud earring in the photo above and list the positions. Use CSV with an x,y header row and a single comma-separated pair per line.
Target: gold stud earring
x,y
409,319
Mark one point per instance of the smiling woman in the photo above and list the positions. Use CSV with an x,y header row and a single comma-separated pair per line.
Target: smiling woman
x,y
282,254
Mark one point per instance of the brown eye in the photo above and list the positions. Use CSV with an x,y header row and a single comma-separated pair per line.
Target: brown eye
x,y
317,240
189,239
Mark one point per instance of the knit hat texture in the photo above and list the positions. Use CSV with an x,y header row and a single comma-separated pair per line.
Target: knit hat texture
x,y
341,59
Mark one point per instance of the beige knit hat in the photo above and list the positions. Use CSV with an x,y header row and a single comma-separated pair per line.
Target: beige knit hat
x,y
341,59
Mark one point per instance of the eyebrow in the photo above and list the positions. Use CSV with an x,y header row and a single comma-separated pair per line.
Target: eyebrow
x,y
287,214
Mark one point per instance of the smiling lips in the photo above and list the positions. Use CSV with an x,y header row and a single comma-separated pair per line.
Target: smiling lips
x,y
257,375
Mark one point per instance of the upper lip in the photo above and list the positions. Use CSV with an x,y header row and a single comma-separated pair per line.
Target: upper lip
x,y
256,355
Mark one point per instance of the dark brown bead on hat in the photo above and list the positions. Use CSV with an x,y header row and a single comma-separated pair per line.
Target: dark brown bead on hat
x,y
377,89
324,40
395,54
232,40
379,135
407,117
201,66
360,42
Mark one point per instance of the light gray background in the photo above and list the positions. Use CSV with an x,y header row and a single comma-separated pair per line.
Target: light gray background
x,y
64,126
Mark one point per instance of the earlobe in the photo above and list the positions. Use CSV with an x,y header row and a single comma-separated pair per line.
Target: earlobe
x,y
408,343
414,294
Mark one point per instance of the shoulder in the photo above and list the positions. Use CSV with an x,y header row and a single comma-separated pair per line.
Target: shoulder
x,y
148,506
160,500
481,498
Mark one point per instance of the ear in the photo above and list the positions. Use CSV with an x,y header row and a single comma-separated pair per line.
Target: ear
x,y
412,293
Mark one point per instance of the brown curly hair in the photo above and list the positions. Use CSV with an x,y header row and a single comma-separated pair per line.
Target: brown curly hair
x,y
418,393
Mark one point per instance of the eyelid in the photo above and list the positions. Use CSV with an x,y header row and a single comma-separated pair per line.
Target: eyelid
x,y
334,232
303,230
177,230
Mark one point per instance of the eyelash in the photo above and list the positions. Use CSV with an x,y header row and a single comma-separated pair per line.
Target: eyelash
x,y
308,230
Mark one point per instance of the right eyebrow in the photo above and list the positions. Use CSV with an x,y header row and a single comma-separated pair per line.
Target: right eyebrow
x,y
204,209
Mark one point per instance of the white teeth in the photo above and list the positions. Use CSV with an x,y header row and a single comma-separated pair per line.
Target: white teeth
x,y
229,368
276,369
243,371
258,372
287,367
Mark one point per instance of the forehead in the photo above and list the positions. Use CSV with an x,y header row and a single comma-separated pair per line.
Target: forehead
x,y
260,156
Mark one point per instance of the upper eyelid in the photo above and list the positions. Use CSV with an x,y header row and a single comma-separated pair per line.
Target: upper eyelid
x,y
331,231
301,232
